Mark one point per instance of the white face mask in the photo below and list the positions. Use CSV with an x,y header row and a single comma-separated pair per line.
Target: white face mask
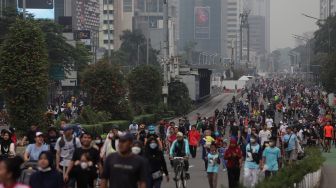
x,y
153,145
136,150
98,141
84,165
253,140
44,169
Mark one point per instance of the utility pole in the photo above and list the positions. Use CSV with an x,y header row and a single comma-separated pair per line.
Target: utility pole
x,y
166,52
24,9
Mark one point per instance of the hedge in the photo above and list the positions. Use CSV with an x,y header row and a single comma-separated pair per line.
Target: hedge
x,y
105,127
290,175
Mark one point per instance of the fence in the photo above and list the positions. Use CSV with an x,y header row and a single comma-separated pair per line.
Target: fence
x,y
310,180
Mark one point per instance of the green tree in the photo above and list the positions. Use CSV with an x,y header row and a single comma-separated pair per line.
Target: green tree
x,y
178,98
134,42
23,70
321,36
104,84
144,84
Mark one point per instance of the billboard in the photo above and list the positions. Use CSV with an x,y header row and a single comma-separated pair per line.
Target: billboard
x,y
202,22
82,34
37,4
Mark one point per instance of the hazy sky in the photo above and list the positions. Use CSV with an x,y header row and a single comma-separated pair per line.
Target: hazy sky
x,y
286,19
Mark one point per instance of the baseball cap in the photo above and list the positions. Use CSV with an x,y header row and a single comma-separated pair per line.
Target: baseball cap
x,y
68,127
126,137
37,134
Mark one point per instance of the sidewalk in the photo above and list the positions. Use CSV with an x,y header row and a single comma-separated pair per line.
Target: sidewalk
x,y
329,169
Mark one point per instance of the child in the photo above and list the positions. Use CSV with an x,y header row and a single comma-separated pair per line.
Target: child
x,y
213,165
206,142
84,172
222,146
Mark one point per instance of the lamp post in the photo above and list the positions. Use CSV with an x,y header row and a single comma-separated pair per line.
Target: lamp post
x,y
328,25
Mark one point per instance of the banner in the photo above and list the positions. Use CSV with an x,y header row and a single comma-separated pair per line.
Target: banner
x,y
202,22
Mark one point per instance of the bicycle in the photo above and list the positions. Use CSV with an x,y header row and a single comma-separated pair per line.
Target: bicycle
x,y
180,174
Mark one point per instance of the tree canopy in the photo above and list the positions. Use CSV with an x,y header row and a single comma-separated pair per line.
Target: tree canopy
x,y
178,98
144,84
23,70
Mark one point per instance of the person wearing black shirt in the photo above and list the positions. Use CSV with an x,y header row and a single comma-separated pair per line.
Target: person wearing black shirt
x,y
93,157
123,168
52,137
157,163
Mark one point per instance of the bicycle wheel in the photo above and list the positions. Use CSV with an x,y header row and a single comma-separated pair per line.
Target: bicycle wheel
x,y
183,180
178,175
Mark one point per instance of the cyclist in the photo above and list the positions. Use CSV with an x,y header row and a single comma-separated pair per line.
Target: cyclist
x,y
180,148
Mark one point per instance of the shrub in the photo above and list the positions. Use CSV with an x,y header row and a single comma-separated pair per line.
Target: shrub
x,y
90,116
147,119
290,175
105,127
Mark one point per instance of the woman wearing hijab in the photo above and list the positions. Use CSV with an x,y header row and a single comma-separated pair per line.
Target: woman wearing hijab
x,y
46,176
157,163
7,147
234,157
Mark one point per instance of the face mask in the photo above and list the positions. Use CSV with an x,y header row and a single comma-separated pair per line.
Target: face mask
x,y
44,169
136,150
253,140
98,141
84,165
153,145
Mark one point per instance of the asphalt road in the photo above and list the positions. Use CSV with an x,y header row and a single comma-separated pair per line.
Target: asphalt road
x,y
198,175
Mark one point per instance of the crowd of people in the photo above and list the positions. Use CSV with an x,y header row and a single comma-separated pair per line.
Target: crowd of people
x,y
264,128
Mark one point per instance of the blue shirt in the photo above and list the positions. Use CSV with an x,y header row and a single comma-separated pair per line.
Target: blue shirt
x,y
34,152
213,163
249,163
271,156
291,142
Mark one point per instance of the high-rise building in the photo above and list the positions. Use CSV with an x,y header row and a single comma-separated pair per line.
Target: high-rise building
x,y
260,8
203,22
149,19
327,8
117,16
232,26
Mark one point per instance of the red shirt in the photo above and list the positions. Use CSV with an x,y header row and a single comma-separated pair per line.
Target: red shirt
x,y
194,137
233,155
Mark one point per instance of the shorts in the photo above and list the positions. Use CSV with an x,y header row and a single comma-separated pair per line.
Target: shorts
x,y
291,155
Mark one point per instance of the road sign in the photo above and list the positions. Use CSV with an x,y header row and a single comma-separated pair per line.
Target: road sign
x,y
37,4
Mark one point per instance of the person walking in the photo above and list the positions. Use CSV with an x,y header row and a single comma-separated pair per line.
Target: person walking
x,y
213,165
234,158
10,171
271,159
328,136
123,168
289,146
65,148
34,150
194,138
47,175
7,147
253,158
85,165
157,164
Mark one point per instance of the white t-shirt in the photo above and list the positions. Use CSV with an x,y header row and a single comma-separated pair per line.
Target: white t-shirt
x,y
18,185
269,122
264,136
67,151
133,128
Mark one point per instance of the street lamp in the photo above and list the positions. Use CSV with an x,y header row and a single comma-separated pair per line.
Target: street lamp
x,y
328,24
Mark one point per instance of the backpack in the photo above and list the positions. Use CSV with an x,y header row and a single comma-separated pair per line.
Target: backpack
x,y
26,173
62,142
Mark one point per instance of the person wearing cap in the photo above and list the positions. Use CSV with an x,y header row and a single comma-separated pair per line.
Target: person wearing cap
x,y
65,148
7,147
124,168
111,143
33,151
180,148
